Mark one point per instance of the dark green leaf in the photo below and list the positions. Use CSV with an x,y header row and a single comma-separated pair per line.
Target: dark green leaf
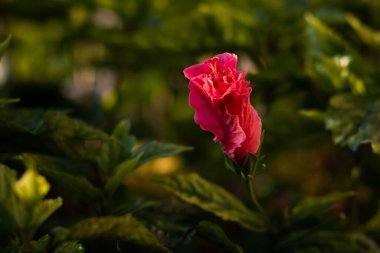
x,y
136,205
74,184
152,150
70,247
328,241
7,224
125,228
7,179
4,45
119,173
193,189
354,121
373,223
7,201
49,132
59,235
313,205
11,214
118,148
214,233
232,166
71,136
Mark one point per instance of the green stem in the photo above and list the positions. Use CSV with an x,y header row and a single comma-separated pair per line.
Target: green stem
x,y
252,194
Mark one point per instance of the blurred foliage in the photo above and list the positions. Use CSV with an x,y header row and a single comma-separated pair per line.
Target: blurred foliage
x,y
314,66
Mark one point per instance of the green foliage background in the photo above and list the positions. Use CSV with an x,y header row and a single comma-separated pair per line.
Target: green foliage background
x,y
313,65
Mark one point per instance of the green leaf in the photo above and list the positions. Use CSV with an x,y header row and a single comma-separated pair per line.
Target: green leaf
x,y
5,101
43,210
22,199
314,115
314,205
193,189
154,149
353,121
4,45
70,247
118,148
327,241
329,58
374,223
49,132
214,233
8,204
71,136
322,40
120,172
31,187
232,166
7,180
72,183
365,33
41,245
7,224
124,228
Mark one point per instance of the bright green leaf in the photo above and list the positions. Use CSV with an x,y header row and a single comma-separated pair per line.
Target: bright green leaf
x,y
43,210
315,115
366,34
5,101
329,58
213,232
314,205
31,187
210,197
124,228
323,40
154,149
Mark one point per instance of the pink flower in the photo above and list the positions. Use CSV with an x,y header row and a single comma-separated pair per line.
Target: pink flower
x,y
221,100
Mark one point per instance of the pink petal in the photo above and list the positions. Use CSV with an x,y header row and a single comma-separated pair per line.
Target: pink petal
x,y
228,59
213,116
206,115
234,134
196,70
252,127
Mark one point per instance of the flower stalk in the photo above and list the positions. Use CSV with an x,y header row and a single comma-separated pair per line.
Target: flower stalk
x,y
251,190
